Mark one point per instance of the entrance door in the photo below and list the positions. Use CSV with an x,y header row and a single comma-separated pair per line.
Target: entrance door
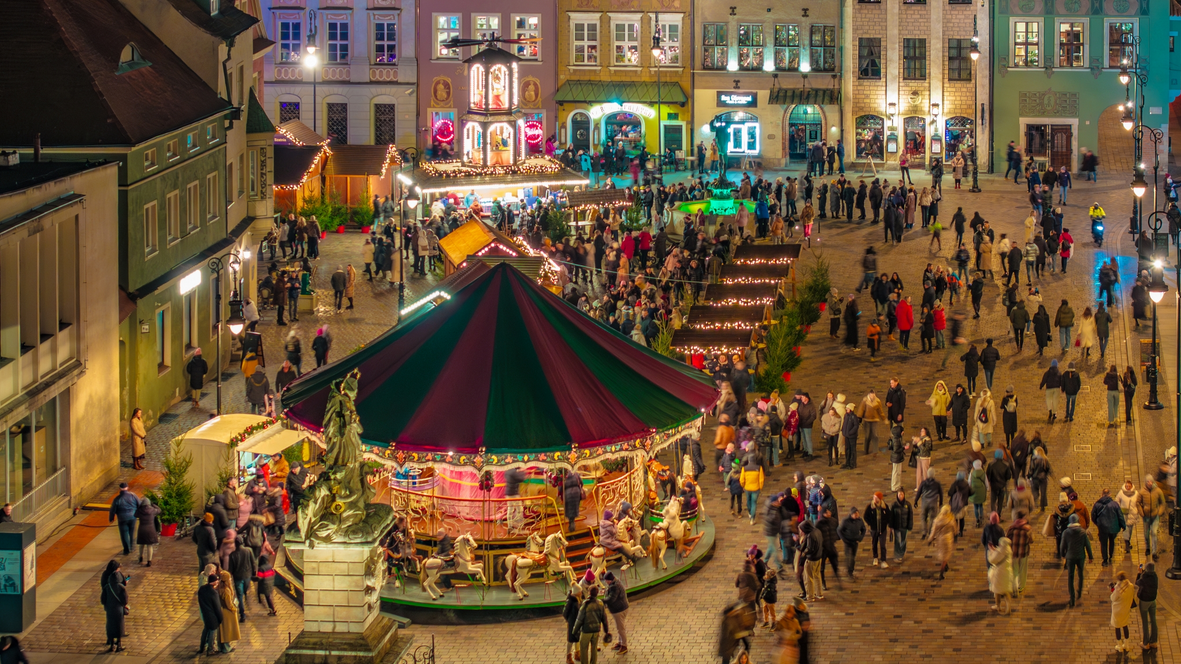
x,y
1061,154
803,130
580,132
674,137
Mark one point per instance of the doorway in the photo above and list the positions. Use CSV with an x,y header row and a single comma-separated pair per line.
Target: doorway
x,y
1061,152
805,127
580,132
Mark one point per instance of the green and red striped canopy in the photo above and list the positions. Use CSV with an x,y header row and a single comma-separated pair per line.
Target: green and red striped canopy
x,y
507,366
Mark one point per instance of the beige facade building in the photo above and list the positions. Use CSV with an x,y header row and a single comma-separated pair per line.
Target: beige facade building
x,y
766,79
59,336
912,85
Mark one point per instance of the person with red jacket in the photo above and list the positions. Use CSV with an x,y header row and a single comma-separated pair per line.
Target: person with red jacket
x,y
905,315
940,323
1066,245
645,242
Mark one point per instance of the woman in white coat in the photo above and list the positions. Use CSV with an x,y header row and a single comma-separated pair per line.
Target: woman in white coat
x,y
1126,499
1122,594
1000,575
1088,334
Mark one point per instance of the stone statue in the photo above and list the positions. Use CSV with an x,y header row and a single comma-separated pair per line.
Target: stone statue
x,y
337,506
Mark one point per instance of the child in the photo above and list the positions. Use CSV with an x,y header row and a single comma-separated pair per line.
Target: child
x,y
266,584
873,335
769,595
736,488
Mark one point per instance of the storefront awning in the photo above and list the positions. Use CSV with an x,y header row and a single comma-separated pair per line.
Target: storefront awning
x,y
819,96
637,92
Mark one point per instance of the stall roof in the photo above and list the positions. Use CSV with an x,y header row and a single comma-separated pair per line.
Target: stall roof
x,y
294,132
711,341
750,315
472,237
727,292
437,184
272,441
292,162
357,160
220,429
749,251
613,196
765,271
643,92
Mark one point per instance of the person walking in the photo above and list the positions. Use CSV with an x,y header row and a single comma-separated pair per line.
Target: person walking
x,y
1128,381
209,605
1109,521
1072,383
898,451
989,357
978,481
1150,505
1064,321
870,413
1126,498
878,518
1019,319
959,406
294,350
258,391
147,535
616,602
751,478
1039,472
320,347
1052,384
1000,575
849,426
942,536
1009,415
1020,535
999,475
1075,549
905,314
1146,589
984,418
113,597
1111,380
813,556
957,498
930,496
1123,595
570,615
124,508
851,532
922,446
901,523
196,370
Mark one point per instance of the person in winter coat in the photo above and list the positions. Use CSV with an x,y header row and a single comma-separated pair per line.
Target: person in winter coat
x,y
871,412
1064,321
147,535
1126,498
1020,499
1052,383
751,478
878,518
830,425
1147,585
1000,575
898,451
999,475
243,566
572,493
1111,380
905,315
1150,504
922,446
1041,329
943,532
113,598
851,531
813,556
901,522
258,391
1123,594
971,360
1009,414
989,357
958,495
196,370
229,631
139,434
959,405
978,481
570,615
930,496
1039,473
984,418
616,602
1075,544
1109,521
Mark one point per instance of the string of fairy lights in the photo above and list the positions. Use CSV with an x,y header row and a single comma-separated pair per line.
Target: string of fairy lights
x,y
321,156
455,168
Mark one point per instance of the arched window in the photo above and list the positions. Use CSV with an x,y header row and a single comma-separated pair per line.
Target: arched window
x,y
914,136
804,128
476,76
870,139
130,58
958,134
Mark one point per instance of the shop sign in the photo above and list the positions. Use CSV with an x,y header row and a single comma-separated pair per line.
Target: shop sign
x,y
738,99
599,111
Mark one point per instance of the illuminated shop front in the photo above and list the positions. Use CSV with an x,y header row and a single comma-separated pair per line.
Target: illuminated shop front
x,y
593,115
738,132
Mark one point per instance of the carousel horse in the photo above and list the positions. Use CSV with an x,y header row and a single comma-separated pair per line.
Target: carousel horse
x,y
555,555
465,549
630,540
432,568
673,529
519,566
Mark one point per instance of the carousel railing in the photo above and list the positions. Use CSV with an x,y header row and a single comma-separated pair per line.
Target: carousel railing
x,y
486,519
629,486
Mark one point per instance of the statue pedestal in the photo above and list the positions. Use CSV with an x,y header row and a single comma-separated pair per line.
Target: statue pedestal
x,y
342,606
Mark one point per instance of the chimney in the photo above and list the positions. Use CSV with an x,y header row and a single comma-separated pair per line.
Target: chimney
x,y
37,149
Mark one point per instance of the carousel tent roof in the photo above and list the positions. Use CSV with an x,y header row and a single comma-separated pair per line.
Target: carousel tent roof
x,y
506,365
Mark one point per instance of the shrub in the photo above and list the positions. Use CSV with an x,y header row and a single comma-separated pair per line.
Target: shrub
x,y
175,497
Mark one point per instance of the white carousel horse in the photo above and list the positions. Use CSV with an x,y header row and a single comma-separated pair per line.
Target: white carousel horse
x,y
519,566
555,555
631,536
431,569
670,529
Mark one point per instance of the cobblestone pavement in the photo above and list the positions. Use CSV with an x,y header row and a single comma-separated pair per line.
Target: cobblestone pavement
x,y
884,615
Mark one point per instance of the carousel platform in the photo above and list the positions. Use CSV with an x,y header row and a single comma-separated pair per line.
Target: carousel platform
x,y
469,595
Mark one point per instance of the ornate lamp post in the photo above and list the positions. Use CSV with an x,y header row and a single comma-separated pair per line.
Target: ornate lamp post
x,y
1156,290
312,62
658,62
410,198
235,322
975,53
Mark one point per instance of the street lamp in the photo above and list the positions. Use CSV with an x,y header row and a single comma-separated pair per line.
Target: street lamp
x,y
406,155
657,62
974,52
1124,76
1139,186
235,322
312,62
1131,122
1156,290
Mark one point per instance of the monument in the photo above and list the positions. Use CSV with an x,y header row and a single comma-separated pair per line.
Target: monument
x,y
336,537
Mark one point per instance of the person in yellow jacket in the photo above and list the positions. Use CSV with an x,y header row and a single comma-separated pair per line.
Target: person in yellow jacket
x,y
751,478
940,403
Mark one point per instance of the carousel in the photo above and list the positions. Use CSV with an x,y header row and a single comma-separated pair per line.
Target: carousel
x,y
516,440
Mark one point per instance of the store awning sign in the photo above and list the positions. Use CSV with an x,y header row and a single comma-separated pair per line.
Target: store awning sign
x,y
738,99
599,111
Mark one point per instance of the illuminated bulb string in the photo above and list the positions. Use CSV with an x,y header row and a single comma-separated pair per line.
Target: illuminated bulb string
x,y
320,156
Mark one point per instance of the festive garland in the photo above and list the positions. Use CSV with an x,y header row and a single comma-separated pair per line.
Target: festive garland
x,y
249,431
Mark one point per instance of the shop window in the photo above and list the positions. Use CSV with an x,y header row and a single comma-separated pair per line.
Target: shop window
x,y
473,144
959,59
385,42
288,111
337,122
750,46
533,134
914,130
740,131
1119,42
586,42
623,127
527,27
290,41
338,42
443,129
914,59
500,144
823,44
715,39
1070,43
787,47
869,57
446,28
385,124
957,135
870,138
1027,36
627,43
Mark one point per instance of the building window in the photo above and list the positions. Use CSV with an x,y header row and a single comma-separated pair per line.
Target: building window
x,y
191,142
288,111
750,46
627,43
1119,42
211,191
230,198
163,338
290,41
959,59
338,42
870,141
151,229
385,124
192,206
823,43
716,44
959,2
446,27
254,173
241,172
586,42
150,159
670,39
172,151
869,57
189,322
385,43
211,134
484,26
172,216
1027,42
527,27
914,2
338,123
787,47
914,59
1070,43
